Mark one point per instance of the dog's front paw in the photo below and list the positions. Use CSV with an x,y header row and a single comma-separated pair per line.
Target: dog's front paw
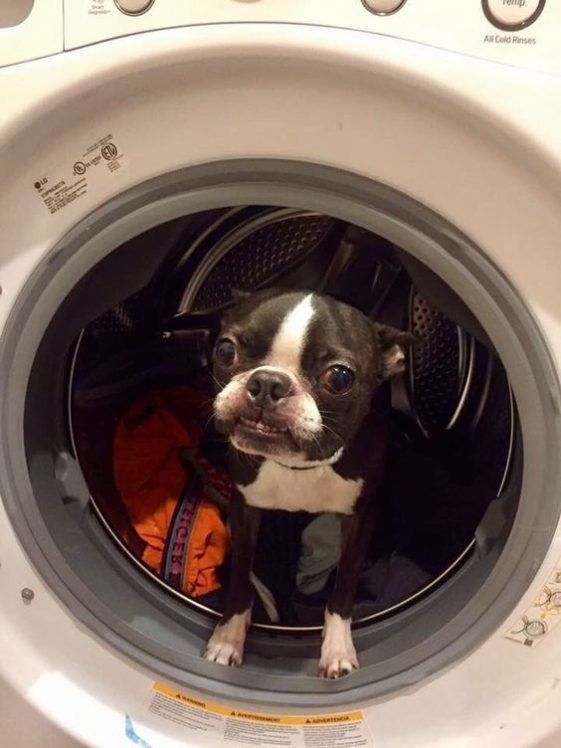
x,y
223,652
338,654
336,664
226,644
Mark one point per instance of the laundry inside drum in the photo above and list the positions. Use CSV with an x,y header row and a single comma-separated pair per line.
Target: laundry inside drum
x,y
140,418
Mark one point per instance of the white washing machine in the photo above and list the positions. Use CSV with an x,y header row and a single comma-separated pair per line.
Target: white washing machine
x,y
136,131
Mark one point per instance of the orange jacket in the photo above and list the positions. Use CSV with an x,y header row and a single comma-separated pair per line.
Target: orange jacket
x,y
186,539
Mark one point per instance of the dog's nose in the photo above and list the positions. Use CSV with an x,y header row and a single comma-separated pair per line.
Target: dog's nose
x,y
268,387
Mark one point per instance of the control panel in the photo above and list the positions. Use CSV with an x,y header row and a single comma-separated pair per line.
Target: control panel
x,y
523,33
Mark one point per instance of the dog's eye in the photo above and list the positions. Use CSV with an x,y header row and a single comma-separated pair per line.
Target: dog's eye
x,y
337,379
225,352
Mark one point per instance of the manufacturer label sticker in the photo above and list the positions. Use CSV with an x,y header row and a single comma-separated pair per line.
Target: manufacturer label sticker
x,y
221,725
58,187
542,616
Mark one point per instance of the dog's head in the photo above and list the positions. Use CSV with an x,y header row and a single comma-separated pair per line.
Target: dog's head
x,y
297,372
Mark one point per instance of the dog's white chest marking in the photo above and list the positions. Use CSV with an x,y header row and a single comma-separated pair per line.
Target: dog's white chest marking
x,y
317,490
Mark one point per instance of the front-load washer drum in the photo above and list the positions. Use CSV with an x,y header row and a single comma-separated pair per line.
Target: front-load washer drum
x,y
456,437
140,318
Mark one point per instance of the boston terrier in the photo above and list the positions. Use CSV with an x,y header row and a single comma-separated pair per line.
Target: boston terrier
x,y
303,403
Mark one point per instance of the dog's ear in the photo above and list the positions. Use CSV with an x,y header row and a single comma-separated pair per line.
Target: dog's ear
x,y
392,344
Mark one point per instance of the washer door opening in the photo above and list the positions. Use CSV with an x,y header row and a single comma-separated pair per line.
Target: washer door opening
x,y
146,360
125,307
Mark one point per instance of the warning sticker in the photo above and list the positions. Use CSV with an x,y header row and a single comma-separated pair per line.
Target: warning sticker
x,y
220,725
58,187
542,616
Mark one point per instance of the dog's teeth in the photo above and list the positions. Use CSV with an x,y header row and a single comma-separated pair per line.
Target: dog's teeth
x,y
263,427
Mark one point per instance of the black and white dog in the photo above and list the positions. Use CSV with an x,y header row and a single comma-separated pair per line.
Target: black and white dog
x,y
300,393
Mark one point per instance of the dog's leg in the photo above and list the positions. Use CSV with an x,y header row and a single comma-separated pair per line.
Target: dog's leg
x,y
338,654
226,644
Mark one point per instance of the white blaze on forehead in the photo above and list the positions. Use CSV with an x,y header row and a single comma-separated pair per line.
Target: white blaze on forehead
x,y
288,344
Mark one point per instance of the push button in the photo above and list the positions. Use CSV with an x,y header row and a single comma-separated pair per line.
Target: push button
x,y
512,14
133,7
383,7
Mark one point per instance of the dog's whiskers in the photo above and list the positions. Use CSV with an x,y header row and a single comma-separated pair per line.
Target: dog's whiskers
x,y
216,382
208,421
328,428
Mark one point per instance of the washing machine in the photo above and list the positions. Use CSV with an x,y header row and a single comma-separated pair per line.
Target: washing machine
x,y
404,156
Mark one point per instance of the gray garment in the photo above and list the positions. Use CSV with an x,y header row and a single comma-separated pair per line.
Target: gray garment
x,y
392,579
320,551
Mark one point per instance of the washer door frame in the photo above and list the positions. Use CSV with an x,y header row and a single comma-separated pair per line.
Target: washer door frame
x,y
397,651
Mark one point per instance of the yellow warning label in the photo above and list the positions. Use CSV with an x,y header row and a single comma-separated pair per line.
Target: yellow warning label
x,y
236,727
